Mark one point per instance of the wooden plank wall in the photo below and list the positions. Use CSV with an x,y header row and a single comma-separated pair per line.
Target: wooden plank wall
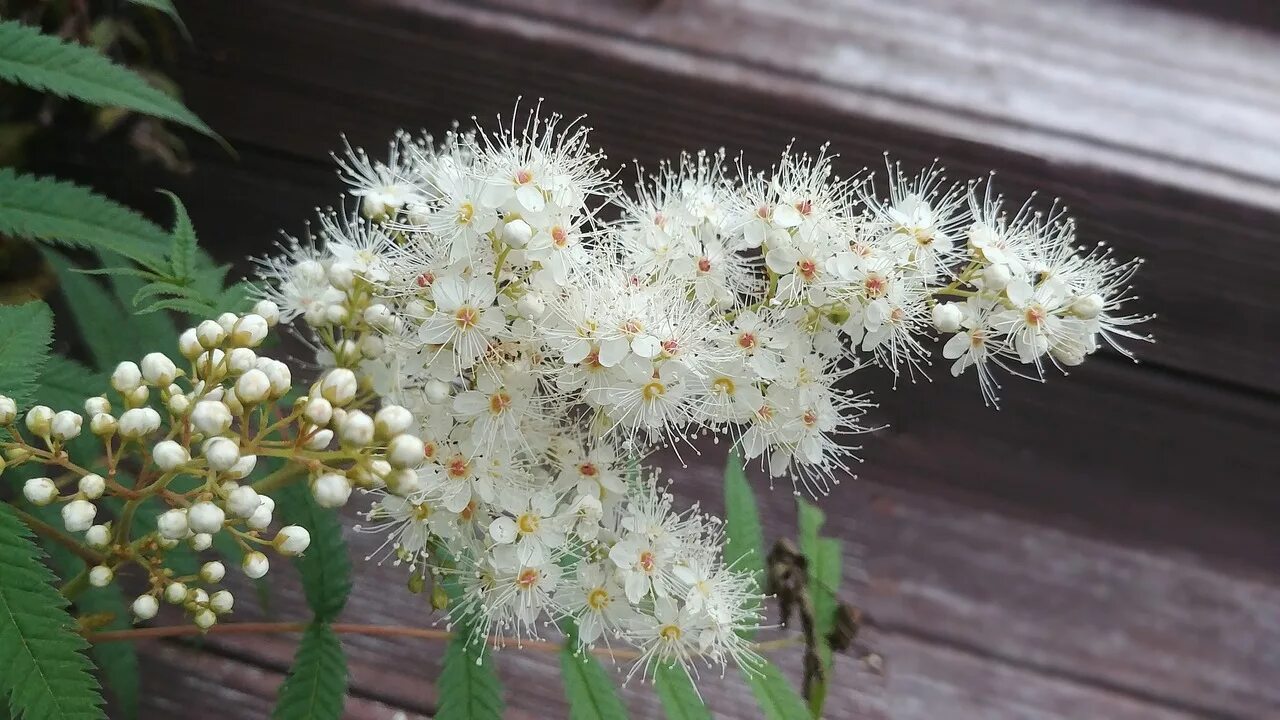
x,y
1105,546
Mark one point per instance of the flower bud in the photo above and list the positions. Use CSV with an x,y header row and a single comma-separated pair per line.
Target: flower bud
x,y
205,517
331,490
145,607
436,391
169,455
92,486
211,417
101,576
65,425
178,405
40,420
268,310
77,515
339,386
189,344
947,317
243,502
279,375
291,540
40,491
531,306
405,451
221,602
341,276
318,412
226,321
1088,306
201,542
172,524
205,619
261,517
378,317
249,331
138,422
102,425
255,565
392,420
212,572
95,405
319,440
243,467
371,346
175,593
126,378
210,334
241,360
8,410
137,397
996,277
98,536
356,430
158,370
517,233
221,453
253,387
1069,354
403,482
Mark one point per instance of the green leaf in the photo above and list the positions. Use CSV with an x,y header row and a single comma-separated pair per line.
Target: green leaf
x,y
61,212
468,686
46,674
191,307
44,62
166,7
157,328
588,687
744,540
316,687
824,565
182,251
774,694
325,566
25,334
680,699
97,316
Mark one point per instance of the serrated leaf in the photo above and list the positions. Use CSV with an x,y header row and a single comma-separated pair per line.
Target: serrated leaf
x,y
45,62
588,687
316,687
774,695
25,334
744,540
61,212
468,686
46,673
182,249
97,316
151,290
191,307
680,699
158,329
325,566
167,7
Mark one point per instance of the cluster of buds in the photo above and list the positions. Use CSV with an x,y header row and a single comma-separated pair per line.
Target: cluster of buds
x,y
181,445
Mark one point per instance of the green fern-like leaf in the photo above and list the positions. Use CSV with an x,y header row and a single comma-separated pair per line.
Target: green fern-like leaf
x,y
680,699
468,686
182,249
588,687
744,540
325,566
96,315
157,328
64,213
25,333
44,62
777,699
166,7
317,683
46,674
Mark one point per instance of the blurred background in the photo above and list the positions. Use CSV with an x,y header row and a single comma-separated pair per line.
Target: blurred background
x,y
1105,546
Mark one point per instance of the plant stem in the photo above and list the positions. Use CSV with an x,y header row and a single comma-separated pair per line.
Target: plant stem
x,y
76,585
43,528
279,478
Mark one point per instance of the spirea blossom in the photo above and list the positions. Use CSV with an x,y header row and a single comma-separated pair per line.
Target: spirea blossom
x,y
544,326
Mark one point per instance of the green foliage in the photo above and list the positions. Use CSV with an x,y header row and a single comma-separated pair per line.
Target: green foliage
x,y
744,540
588,687
325,566
182,248
25,333
57,211
777,699
166,7
316,687
468,686
46,674
824,556
680,699
97,317
44,62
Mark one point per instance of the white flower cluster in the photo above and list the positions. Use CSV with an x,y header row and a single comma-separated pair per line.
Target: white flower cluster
x,y
539,343
190,440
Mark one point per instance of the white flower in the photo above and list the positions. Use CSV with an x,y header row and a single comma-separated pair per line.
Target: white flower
x,y
533,526
464,316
